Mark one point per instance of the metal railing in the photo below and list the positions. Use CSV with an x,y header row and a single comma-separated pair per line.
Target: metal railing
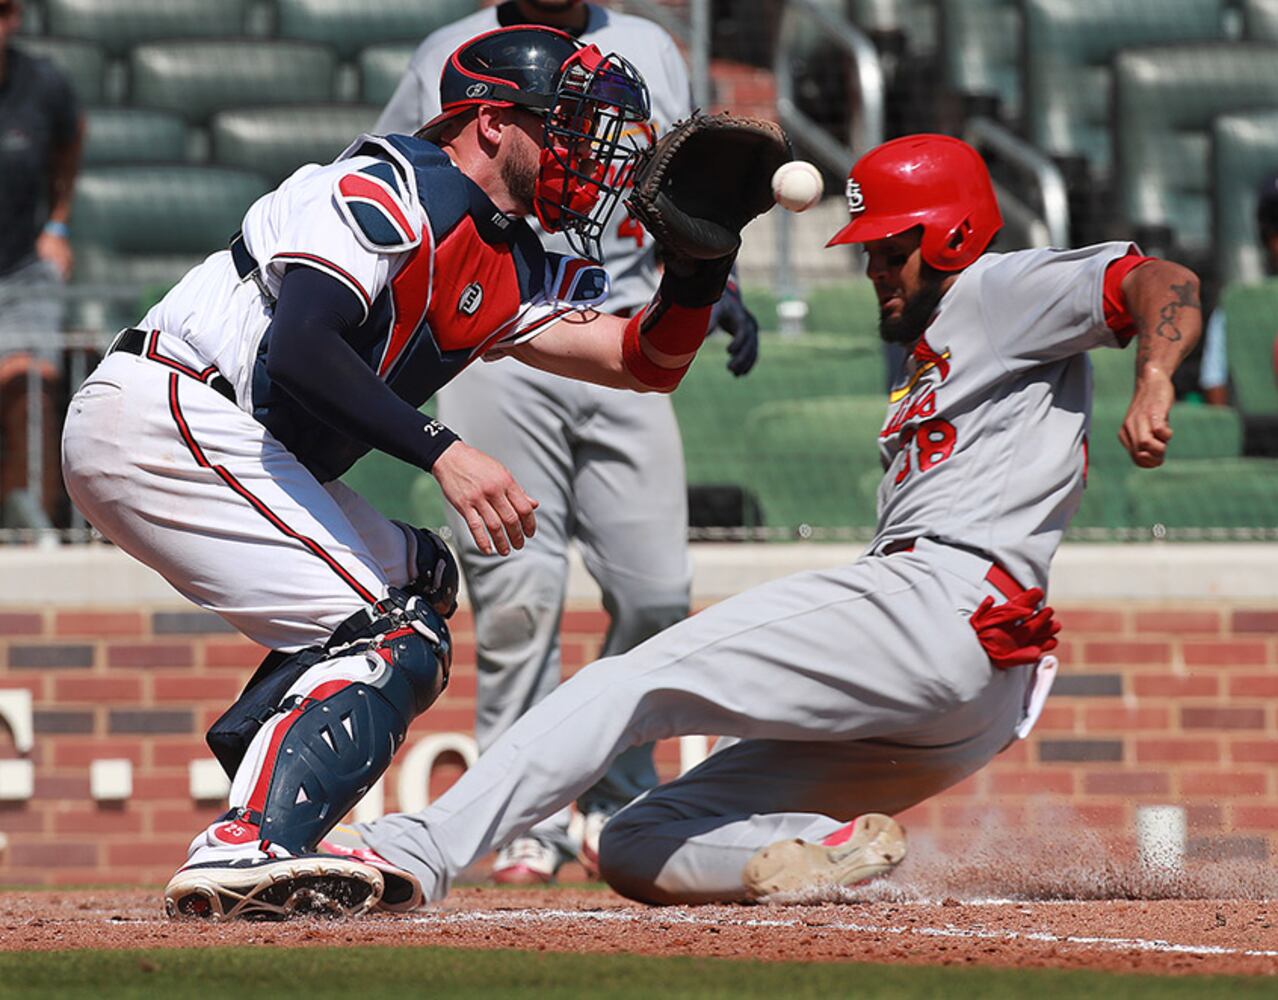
x,y
866,111
1045,179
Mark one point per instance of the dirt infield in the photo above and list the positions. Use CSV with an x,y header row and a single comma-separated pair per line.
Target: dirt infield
x,y
1174,936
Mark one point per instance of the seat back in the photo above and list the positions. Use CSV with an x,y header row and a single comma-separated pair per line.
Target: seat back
x,y
351,25
83,63
816,461
1251,326
133,135
276,141
139,228
1244,151
1198,432
380,69
1260,20
197,79
1165,100
1069,45
118,25
1206,494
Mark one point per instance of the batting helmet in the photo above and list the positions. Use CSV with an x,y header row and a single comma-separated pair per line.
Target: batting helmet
x,y
589,101
934,181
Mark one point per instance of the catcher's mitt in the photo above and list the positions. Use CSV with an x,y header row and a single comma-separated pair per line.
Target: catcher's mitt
x,y
707,177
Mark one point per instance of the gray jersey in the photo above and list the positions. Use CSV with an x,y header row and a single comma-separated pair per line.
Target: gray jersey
x,y
627,249
984,442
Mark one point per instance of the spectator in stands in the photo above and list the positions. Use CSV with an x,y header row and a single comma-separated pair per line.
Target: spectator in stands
x,y
41,129
1214,373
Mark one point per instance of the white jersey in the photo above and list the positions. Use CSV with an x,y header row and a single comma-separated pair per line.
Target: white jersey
x,y
442,275
628,250
985,438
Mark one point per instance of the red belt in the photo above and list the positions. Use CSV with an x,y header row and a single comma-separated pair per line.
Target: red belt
x,y
996,576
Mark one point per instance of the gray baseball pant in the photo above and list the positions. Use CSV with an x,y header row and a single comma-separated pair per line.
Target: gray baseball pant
x,y
861,689
606,467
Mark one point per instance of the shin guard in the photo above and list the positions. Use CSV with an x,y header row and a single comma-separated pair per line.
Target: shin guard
x,y
335,732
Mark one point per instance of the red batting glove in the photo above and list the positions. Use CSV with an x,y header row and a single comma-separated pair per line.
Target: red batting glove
x,y
1014,634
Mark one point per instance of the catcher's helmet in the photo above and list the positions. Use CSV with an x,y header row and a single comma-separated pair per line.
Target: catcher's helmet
x,y
934,181
589,101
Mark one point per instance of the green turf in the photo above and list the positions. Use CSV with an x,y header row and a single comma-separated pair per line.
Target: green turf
x,y
380,971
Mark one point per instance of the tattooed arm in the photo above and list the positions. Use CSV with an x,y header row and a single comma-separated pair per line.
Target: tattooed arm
x,y
1163,299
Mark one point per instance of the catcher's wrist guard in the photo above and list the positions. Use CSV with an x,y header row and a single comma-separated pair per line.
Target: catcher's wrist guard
x,y
676,321
680,331
695,283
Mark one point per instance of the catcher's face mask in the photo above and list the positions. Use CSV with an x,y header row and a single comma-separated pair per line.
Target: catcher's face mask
x,y
591,139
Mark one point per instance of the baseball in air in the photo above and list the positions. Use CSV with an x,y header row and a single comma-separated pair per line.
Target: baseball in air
x,y
797,185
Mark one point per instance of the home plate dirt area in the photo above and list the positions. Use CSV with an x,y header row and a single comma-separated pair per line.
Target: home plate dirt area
x,y
1174,936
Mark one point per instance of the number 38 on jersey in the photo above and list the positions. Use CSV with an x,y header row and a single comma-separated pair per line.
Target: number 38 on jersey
x,y
925,440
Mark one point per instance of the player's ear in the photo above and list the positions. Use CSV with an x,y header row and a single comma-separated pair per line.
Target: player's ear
x,y
491,120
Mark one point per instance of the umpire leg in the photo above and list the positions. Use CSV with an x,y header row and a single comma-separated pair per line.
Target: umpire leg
x,y
519,416
632,525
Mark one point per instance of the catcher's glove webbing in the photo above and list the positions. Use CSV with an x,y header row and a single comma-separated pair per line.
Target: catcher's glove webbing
x,y
707,177
694,191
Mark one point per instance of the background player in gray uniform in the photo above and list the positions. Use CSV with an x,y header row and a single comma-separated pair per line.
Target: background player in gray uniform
x,y
860,691
606,467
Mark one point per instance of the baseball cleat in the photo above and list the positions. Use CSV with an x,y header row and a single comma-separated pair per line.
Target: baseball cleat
x,y
869,846
403,892
273,889
526,861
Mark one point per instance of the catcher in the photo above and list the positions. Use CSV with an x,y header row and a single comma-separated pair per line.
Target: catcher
x,y
354,291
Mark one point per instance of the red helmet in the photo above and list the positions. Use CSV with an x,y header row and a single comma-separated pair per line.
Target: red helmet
x,y
934,181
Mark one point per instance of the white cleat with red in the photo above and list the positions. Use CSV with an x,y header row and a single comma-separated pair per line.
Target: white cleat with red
x,y
526,861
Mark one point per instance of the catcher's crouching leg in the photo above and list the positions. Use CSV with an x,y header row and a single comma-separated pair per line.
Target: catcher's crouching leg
x,y
332,736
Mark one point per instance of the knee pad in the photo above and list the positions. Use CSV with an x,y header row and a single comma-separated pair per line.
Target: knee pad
x,y
229,737
335,732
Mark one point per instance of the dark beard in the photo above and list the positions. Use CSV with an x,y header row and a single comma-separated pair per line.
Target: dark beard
x,y
520,179
915,316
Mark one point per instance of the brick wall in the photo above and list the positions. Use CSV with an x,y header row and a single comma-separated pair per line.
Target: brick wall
x,y
1155,704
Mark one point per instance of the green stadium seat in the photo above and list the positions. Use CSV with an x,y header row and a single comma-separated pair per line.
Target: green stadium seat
x,y
391,486
1234,493
1260,20
1104,502
981,51
1165,101
162,209
397,489
118,25
1069,45
1199,431
848,308
1244,152
711,403
133,135
380,69
139,228
1113,374
1251,324
83,63
351,25
816,461
197,79
276,141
